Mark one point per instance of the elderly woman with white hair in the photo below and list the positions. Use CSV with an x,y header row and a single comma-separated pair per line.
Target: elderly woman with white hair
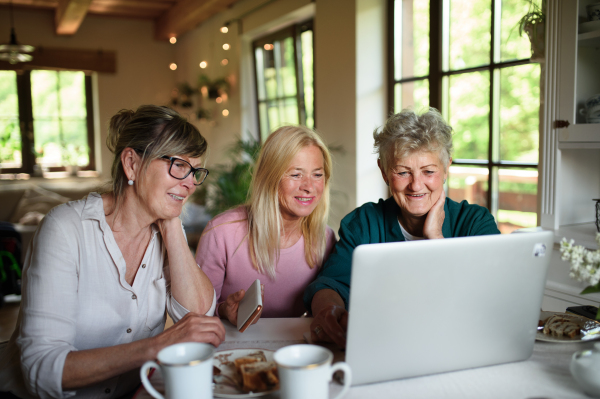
x,y
280,236
414,157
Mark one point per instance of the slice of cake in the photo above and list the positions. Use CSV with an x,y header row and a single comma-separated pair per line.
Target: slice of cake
x,y
259,376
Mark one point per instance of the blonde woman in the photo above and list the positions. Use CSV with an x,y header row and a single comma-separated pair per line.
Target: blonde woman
x,y
102,272
281,235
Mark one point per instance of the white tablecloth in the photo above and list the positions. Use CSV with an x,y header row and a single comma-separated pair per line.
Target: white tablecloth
x,y
544,375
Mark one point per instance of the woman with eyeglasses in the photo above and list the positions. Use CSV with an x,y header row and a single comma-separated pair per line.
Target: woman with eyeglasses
x,y
102,272
280,236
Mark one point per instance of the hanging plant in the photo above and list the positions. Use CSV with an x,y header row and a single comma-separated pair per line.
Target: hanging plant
x,y
183,95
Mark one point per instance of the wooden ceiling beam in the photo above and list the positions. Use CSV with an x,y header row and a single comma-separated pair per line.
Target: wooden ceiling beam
x,y
186,15
31,3
69,15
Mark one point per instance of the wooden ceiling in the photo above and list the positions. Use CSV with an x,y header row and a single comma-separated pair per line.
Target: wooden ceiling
x,y
171,17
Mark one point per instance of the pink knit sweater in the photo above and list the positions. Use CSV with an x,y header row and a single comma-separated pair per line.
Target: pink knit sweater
x,y
228,266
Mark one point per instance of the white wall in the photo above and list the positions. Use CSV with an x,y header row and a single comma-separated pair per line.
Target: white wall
x,y
143,75
371,90
349,76
344,82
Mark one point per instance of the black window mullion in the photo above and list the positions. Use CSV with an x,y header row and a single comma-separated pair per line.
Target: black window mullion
x,y
435,53
26,120
90,123
491,180
391,45
296,39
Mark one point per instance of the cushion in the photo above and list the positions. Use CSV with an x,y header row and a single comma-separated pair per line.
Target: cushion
x,y
10,195
36,199
31,218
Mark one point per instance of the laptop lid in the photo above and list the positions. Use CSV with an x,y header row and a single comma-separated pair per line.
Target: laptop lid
x,y
431,306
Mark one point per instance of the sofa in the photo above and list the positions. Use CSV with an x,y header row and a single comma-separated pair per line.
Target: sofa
x,y
24,204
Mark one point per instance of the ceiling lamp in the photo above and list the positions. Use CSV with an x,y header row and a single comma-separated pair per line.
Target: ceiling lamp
x,y
14,52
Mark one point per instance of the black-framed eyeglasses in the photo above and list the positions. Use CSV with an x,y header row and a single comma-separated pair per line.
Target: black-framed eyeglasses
x,y
180,169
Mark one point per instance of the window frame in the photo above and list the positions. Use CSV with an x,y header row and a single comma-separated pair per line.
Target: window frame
x,y
25,105
436,77
294,31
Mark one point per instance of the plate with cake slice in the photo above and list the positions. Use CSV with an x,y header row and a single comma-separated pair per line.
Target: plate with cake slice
x,y
566,327
244,373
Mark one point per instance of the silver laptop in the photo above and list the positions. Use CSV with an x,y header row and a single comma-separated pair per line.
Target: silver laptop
x,y
433,306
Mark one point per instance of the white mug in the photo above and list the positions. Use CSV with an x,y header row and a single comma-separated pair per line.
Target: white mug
x,y
187,370
305,372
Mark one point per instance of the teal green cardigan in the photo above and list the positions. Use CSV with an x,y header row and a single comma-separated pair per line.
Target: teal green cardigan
x,y
378,222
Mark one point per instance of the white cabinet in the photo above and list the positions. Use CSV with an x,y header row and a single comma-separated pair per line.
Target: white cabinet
x,y
569,156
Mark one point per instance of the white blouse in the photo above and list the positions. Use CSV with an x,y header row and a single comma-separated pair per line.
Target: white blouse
x,y
75,297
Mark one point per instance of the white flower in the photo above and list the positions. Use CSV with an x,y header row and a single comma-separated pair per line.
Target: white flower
x,y
585,264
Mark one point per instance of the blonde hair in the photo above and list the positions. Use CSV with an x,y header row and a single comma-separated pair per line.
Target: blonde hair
x,y
264,216
407,132
152,131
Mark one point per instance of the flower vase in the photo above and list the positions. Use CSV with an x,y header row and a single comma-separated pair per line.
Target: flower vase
x,y
72,170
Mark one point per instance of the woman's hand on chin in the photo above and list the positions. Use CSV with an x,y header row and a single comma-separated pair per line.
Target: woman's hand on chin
x,y
432,228
193,327
168,225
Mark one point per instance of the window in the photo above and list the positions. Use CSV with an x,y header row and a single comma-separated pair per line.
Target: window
x,y
466,58
45,121
284,78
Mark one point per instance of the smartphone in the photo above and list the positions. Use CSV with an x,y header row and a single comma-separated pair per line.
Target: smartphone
x,y
586,311
250,306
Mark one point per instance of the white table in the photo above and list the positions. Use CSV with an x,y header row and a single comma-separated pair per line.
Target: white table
x,y
544,375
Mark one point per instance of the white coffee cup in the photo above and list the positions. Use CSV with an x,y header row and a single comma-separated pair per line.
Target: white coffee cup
x,y
305,372
187,370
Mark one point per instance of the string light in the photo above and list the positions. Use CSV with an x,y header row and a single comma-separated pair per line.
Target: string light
x,y
268,46
226,46
173,66
224,61
173,40
225,113
219,100
203,64
224,29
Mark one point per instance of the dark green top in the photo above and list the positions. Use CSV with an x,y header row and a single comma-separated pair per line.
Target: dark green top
x,y
377,223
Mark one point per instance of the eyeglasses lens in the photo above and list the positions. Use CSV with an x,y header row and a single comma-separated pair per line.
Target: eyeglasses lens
x,y
180,169
199,176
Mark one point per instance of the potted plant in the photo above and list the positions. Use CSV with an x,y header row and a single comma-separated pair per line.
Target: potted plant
x,y
227,184
533,23
73,157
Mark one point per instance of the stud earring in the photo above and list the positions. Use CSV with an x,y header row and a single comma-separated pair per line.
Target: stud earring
x,y
130,182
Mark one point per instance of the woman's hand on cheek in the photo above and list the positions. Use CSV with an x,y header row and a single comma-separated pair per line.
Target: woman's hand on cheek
x,y
435,219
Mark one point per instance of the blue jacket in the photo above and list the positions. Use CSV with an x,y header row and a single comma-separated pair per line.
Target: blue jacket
x,y
377,223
